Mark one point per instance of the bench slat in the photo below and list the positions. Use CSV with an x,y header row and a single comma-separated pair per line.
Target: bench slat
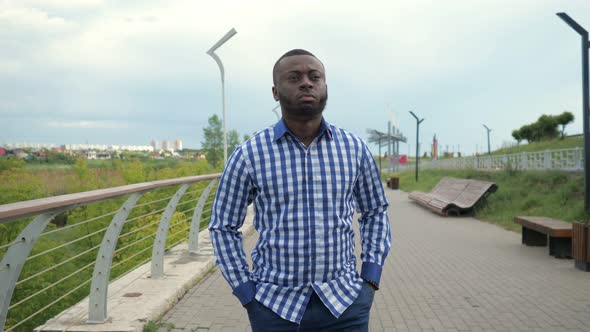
x,y
551,227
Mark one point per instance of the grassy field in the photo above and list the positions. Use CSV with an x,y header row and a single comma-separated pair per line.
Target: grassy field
x,y
556,144
554,194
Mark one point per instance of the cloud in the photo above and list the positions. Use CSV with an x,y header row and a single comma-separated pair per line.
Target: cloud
x,y
85,124
57,4
27,19
9,66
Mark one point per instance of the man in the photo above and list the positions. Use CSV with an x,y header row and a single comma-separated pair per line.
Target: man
x,y
305,177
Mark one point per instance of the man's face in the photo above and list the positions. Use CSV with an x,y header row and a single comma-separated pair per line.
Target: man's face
x,y
301,86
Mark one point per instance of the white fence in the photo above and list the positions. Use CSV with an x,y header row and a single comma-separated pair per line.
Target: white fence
x,y
564,159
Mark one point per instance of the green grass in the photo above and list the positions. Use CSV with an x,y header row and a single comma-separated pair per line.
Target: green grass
x,y
554,194
555,144
48,167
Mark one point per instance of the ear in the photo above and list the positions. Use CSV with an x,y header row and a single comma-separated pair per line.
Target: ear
x,y
275,93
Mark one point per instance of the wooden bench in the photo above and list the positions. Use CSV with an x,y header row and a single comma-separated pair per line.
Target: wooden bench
x,y
536,230
454,197
393,183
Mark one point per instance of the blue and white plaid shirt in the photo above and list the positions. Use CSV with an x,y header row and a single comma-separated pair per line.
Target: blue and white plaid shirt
x,y
304,200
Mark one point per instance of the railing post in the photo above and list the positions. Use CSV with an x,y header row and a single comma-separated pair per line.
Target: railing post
x,y
97,305
157,269
547,160
579,159
193,238
14,260
524,161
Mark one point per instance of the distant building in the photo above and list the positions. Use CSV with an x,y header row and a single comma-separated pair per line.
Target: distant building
x,y
103,155
165,145
154,145
20,153
177,144
111,148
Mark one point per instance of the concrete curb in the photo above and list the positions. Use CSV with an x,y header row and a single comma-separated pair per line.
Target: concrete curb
x,y
136,299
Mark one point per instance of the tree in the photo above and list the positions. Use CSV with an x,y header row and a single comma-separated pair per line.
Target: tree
x,y
233,140
544,128
133,172
526,132
547,127
81,168
213,144
564,119
516,135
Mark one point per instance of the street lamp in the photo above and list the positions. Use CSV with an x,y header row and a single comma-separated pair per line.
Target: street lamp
x,y
488,130
211,52
418,122
274,110
585,103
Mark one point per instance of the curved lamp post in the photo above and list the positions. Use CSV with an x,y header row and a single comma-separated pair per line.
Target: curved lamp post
x,y
215,57
488,130
418,122
585,103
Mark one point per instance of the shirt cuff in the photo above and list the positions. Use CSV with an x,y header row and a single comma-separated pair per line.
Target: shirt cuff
x,y
371,272
245,292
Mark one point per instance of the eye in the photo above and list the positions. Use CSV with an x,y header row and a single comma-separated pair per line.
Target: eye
x,y
292,78
315,77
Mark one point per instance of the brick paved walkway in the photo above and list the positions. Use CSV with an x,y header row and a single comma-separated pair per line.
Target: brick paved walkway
x,y
443,274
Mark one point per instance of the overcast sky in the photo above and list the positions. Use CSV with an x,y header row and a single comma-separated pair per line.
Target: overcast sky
x,y
127,72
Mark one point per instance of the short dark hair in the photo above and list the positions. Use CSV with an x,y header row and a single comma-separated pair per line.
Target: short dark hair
x,y
297,51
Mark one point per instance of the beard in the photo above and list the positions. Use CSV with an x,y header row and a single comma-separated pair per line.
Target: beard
x,y
303,110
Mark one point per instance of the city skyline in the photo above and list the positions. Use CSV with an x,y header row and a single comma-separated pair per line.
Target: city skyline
x,y
176,145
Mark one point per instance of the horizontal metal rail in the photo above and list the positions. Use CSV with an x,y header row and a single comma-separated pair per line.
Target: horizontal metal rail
x,y
134,243
52,285
141,228
65,244
79,223
180,231
190,201
57,265
134,255
144,215
175,244
155,201
11,243
13,211
200,190
47,306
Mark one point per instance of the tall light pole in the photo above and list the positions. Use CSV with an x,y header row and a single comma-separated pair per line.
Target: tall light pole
x,y
274,110
211,52
418,122
585,103
488,130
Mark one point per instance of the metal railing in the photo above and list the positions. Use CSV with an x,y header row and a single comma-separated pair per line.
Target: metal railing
x,y
46,263
562,159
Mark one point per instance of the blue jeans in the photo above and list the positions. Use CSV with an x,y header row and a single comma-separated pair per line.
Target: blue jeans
x,y
317,317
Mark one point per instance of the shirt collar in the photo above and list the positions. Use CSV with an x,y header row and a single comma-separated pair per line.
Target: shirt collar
x,y
280,129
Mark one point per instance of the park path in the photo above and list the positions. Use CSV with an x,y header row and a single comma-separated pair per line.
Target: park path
x,y
443,274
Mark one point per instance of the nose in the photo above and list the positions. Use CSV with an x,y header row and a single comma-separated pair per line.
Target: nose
x,y
306,83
